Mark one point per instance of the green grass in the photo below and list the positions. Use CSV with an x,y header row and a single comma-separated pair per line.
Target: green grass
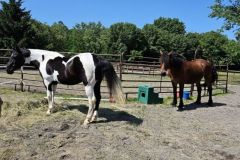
x,y
234,78
25,109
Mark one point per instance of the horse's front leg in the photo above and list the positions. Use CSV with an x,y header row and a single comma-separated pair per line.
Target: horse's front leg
x,y
180,106
174,85
51,88
199,89
50,102
91,100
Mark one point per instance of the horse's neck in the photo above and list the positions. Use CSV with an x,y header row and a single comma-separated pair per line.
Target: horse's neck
x,y
41,55
34,56
176,71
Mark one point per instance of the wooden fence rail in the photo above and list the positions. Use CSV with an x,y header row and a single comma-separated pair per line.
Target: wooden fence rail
x,y
132,74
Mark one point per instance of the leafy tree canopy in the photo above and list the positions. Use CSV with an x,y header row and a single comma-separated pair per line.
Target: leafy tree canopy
x,y
212,44
15,24
172,25
229,11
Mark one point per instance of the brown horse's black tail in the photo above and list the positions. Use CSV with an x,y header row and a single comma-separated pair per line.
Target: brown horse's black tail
x,y
214,74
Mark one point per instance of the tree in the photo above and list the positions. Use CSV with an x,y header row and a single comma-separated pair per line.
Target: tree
x,y
229,10
193,46
157,40
127,38
232,48
212,44
172,25
15,25
43,37
178,43
59,33
87,38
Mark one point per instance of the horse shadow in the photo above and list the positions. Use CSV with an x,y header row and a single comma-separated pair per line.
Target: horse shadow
x,y
194,106
109,115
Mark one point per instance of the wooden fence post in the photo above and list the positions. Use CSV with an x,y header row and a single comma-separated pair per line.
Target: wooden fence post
x,y
161,84
226,89
120,66
21,81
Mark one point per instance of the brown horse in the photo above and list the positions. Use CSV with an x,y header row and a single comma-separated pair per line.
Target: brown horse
x,y
183,72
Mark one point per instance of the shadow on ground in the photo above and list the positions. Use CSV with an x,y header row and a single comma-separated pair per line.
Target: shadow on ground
x,y
109,114
194,106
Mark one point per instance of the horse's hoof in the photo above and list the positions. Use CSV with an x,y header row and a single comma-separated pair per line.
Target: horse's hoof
x,y
86,122
180,108
85,126
94,119
48,112
210,103
197,102
174,104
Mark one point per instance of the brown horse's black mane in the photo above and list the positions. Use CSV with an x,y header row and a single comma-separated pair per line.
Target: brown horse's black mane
x,y
177,60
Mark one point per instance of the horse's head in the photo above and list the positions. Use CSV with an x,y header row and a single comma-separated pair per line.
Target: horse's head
x,y
17,59
164,62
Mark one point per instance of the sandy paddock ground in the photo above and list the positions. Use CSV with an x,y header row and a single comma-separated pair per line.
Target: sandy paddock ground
x,y
134,131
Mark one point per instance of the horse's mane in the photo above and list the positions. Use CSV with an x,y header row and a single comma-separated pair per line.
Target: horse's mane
x,y
177,60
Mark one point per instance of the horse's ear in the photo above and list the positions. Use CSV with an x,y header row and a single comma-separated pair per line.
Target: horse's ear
x,y
161,53
170,53
16,48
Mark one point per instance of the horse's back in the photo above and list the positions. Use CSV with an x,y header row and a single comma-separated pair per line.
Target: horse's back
x,y
48,54
195,70
87,61
199,65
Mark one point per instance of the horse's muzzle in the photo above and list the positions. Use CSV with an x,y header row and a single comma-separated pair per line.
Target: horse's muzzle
x,y
9,71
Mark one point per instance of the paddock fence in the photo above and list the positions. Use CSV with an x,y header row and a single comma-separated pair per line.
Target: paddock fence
x,y
132,73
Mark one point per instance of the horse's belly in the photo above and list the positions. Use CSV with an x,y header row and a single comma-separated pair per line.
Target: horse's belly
x,y
193,79
69,80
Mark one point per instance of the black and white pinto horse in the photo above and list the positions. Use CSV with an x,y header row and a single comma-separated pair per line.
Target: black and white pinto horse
x,y
84,67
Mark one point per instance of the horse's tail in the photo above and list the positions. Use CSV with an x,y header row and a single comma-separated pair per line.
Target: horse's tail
x,y
113,82
214,74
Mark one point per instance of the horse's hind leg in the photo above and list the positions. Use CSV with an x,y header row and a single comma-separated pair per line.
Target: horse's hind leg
x,y
174,102
210,101
97,94
208,81
199,89
91,100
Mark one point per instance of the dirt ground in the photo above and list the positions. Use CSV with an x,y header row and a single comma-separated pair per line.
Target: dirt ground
x,y
134,131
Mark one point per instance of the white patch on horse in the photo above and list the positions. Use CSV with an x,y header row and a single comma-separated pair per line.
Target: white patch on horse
x,y
89,67
55,74
36,54
94,117
64,63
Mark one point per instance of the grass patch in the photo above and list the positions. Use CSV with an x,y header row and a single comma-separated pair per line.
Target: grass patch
x,y
5,137
132,100
234,78
7,154
25,109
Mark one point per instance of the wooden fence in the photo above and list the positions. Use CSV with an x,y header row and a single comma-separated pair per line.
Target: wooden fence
x,y
131,73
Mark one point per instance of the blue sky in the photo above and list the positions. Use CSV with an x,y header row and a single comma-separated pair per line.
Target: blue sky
x,y
194,13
